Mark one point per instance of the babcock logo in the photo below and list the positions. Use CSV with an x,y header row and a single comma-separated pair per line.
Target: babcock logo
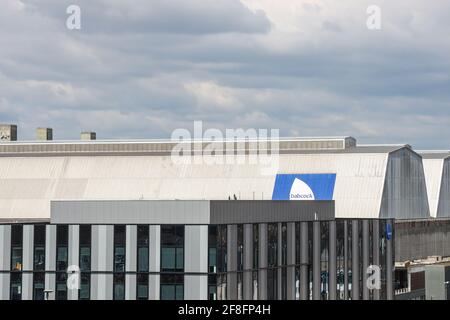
x,y
304,187
301,191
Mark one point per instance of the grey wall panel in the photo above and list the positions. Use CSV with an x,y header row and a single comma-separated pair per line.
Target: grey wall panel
x,y
390,267
196,287
74,257
304,261
435,282
405,192
130,212
131,262
280,262
196,249
131,248
355,260
101,286
444,194
290,271
248,262
154,263
28,248
263,262
50,260
332,261
316,261
346,259
365,258
422,238
376,251
232,291
102,260
248,211
5,260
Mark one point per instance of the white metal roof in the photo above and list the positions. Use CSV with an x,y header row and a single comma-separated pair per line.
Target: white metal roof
x,y
30,183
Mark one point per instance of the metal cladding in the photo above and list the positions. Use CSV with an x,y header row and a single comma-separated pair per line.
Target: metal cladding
x,y
437,173
367,181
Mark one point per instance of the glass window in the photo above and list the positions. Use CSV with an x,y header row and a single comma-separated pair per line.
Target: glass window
x,y
142,286
62,240
212,287
143,235
61,291
38,286
85,235
16,286
85,262
119,259
212,249
143,259
172,248
119,286
143,248
272,257
340,260
85,258
61,258
119,248
39,247
172,287
168,258
85,282
16,247
255,246
284,261
324,244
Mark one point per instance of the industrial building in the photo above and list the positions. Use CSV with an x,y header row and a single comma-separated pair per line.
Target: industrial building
x,y
139,226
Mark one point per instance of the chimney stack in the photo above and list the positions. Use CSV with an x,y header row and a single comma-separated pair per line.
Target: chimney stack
x,y
88,136
44,134
8,132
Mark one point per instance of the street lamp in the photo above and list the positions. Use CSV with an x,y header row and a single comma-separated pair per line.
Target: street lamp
x,y
47,293
446,289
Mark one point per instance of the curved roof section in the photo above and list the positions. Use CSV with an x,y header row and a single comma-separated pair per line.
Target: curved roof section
x,y
437,179
33,174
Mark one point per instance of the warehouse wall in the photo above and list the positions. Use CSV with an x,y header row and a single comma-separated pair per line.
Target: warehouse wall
x,y
405,192
420,239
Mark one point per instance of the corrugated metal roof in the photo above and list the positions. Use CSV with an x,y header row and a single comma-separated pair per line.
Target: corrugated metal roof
x,y
434,154
29,183
165,147
32,175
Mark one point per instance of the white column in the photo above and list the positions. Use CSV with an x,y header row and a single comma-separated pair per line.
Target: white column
x,y
5,260
50,260
196,261
27,276
131,262
154,263
73,256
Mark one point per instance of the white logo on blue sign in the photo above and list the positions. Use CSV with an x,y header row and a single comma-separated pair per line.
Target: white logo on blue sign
x,y
304,187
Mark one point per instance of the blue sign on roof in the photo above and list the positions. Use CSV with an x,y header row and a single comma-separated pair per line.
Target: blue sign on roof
x,y
304,187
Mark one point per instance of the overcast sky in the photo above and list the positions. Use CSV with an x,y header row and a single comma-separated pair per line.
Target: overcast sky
x,y
142,68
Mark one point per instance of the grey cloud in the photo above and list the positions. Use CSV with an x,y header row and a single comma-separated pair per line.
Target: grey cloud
x,y
133,72
158,16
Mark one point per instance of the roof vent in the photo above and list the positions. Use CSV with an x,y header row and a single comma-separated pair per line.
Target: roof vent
x,y
88,136
44,134
8,132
